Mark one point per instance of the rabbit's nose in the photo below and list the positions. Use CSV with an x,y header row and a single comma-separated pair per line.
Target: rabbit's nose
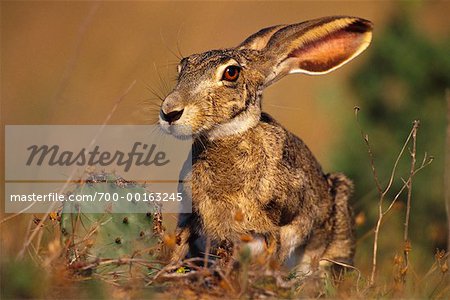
x,y
171,116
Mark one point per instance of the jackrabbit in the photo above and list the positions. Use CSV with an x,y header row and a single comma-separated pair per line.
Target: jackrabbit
x,y
250,176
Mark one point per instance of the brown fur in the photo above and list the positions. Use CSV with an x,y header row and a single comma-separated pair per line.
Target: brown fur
x,y
247,164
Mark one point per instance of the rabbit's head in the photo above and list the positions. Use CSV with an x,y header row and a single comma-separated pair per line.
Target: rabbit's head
x,y
218,92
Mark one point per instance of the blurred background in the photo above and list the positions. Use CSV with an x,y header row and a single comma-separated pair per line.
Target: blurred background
x,y
69,63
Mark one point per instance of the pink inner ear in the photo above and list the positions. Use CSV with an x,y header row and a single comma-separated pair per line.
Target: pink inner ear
x,y
327,52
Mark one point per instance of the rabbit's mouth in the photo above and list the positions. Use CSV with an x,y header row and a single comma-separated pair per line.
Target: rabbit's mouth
x,y
178,131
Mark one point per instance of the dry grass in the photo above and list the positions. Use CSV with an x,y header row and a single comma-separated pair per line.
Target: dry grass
x,y
244,277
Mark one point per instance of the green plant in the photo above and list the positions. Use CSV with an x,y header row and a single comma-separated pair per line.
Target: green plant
x,y
115,237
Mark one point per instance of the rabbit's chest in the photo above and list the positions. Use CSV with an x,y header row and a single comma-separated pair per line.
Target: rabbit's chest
x,y
240,170
229,188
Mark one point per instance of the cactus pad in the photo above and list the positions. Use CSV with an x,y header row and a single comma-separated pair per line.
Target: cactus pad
x,y
113,235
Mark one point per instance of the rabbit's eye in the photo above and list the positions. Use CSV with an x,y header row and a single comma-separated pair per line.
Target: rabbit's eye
x,y
231,73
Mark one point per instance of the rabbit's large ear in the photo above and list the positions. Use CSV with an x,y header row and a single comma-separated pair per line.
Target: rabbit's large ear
x,y
260,39
315,47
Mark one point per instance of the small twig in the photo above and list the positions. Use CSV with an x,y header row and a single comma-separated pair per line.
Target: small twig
x,y
447,167
408,201
17,214
120,261
406,183
375,247
369,149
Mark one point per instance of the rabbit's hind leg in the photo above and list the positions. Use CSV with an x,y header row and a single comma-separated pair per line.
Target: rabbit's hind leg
x,y
293,236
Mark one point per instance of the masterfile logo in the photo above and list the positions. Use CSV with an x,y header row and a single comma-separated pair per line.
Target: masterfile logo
x,y
45,162
54,155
